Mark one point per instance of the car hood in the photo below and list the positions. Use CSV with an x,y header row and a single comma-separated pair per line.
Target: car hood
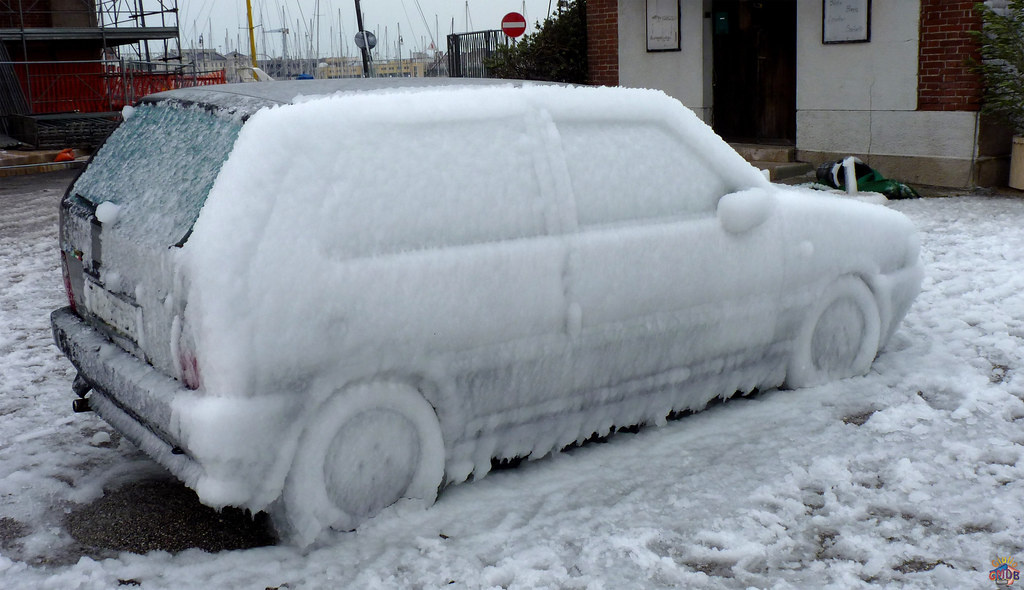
x,y
836,234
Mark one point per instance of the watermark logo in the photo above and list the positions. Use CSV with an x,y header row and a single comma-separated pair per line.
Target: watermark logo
x,y
1005,572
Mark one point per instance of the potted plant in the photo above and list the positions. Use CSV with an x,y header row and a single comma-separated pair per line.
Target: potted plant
x,y
1002,66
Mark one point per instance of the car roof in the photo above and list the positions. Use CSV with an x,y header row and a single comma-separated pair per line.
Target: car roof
x,y
246,98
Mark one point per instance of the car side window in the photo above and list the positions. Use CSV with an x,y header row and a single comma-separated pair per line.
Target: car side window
x,y
637,170
469,182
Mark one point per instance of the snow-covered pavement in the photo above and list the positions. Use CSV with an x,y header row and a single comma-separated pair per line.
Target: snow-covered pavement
x,y
912,476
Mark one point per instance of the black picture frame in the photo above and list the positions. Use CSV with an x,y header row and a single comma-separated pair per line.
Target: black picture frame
x,y
845,21
663,26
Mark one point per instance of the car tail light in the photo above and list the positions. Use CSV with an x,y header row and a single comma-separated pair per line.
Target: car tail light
x,y
189,365
183,347
67,281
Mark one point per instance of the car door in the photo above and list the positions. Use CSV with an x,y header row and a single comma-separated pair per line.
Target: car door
x,y
453,273
657,287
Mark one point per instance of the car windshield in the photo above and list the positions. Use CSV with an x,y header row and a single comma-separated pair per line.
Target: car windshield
x,y
157,168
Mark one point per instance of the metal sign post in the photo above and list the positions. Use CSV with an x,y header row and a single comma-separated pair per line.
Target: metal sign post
x,y
363,48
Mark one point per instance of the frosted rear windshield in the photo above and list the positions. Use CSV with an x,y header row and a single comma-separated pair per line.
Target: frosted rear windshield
x,y
158,167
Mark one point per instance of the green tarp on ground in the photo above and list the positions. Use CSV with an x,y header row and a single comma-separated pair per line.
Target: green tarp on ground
x,y
833,174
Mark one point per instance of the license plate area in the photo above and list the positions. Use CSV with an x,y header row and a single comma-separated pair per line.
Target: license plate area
x,y
121,314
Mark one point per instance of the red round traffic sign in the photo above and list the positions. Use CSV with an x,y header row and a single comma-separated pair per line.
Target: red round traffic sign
x,y
513,24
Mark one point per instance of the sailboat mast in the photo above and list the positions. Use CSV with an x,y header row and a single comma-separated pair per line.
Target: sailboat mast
x,y
252,35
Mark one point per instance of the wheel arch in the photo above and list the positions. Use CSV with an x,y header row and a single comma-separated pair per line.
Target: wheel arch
x,y
800,371
310,430
881,290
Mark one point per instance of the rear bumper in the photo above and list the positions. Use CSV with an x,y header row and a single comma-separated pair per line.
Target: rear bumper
x,y
232,451
129,394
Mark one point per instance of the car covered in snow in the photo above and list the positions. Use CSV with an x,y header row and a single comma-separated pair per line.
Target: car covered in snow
x,y
319,298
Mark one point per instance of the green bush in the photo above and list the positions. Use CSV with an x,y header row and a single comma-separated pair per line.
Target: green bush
x,y
1002,65
557,52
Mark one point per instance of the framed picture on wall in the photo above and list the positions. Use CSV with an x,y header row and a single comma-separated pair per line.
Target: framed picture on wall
x,y
845,21
663,25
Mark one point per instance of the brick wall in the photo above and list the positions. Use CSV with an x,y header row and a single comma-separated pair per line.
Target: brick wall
x,y
603,41
945,80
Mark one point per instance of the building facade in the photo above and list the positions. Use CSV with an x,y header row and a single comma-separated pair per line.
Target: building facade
x,y
887,81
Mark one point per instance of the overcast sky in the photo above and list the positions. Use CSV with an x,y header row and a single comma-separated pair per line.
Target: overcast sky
x,y
420,22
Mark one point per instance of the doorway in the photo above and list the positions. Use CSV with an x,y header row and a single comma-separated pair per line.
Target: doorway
x,y
754,70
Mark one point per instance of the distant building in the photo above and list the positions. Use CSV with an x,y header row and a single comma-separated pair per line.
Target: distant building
x,y
405,68
239,67
339,67
352,67
204,60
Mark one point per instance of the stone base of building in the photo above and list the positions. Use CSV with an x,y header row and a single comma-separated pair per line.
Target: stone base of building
x,y
986,171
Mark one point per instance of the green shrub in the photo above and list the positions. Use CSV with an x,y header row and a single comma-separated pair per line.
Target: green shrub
x,y
557,52
1002,66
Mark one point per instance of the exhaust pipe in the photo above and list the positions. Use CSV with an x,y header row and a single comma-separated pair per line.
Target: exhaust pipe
x,y
81,405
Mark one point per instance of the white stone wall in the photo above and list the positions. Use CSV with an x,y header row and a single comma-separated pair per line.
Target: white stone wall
x,y
879,75
852,98
685,74
862,97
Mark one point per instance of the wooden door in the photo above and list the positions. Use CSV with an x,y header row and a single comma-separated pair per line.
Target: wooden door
x,y
754,76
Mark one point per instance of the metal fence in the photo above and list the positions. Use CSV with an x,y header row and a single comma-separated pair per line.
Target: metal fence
x,y
48,87
467,52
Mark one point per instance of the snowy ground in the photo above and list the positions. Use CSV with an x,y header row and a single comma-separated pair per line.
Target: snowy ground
x,y
912,476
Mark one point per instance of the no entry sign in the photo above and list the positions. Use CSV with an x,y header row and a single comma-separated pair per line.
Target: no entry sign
x,y
513,24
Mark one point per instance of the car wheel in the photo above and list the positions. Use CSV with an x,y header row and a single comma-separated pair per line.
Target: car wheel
x,y
839,337
365,449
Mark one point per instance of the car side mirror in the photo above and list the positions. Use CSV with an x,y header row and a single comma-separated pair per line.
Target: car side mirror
x,y
742,211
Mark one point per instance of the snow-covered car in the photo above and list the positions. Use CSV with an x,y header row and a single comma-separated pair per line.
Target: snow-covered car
x,y
322,297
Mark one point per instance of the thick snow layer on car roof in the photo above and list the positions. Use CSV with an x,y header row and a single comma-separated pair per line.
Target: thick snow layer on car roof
x,y
246,98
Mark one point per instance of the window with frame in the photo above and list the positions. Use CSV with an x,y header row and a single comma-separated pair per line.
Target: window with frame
x,y
629,171
469,182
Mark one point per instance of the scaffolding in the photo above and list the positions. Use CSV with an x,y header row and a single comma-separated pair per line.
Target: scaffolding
x,y
81,60
119,25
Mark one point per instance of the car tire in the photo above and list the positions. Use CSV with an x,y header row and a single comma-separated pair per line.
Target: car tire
x,y
366,448
838,338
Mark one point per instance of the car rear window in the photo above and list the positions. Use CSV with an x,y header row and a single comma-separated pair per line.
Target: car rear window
x,y
158,167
